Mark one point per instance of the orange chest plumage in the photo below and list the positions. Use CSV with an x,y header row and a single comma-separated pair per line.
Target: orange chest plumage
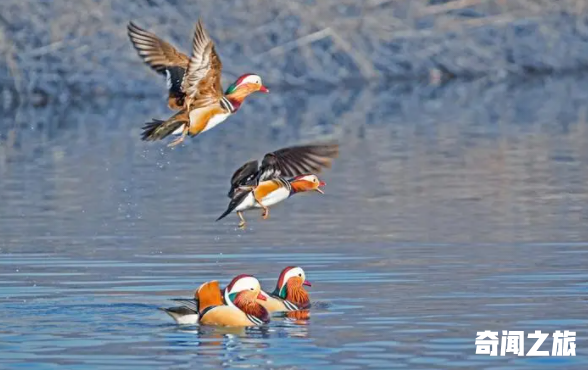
x,y
298,296
266,188
205,118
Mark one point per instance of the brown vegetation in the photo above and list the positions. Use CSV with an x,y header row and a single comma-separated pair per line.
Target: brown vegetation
x,y
80,47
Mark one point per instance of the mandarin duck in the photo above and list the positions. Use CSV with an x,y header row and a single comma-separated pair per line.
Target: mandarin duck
x,y
194,84
236,306
280,175
289,294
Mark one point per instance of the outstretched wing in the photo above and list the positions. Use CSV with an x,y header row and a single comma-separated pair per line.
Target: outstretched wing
x,y
202,79
244,176
297,160
157,53
287,162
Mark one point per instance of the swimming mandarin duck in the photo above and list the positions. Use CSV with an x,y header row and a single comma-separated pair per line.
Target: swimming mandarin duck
x,y
237,306
289,294
280,175
194,84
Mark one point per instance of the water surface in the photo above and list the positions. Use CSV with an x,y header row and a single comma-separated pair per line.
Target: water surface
x,y
450,211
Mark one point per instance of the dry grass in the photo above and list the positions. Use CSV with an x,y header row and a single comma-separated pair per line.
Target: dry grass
x,y
65,48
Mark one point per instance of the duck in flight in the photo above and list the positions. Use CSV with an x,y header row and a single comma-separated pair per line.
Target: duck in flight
x,y
194,84
280,174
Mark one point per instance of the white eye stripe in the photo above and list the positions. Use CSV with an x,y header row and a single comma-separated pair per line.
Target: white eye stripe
x,y
311,178
245,283
295,272
253,79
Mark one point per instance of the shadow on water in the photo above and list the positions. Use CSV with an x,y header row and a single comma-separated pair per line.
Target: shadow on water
x,y
451,210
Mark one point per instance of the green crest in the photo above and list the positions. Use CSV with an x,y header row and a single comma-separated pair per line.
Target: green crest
x,y
232,297
231,89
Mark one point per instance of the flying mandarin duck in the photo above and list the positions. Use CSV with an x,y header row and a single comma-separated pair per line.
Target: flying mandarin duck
x,y
238,306
280,175
194,84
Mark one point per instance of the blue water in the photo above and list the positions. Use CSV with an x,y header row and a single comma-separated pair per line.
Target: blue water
x,y
449,211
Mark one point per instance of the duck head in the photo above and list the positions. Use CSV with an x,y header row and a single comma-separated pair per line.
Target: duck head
x,y
242,292
243,87
244,287
304,183
291,284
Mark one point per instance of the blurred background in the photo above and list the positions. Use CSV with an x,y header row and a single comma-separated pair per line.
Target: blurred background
x,y
79,49
457,204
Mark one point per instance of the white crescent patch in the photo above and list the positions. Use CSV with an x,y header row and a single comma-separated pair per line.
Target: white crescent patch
x,y
168,80
179,130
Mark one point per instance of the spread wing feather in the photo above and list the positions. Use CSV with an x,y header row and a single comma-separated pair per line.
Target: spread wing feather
x,y
297,160
245,175
287,162
202,78
158,54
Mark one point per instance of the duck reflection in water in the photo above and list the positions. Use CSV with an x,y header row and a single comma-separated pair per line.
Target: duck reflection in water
x,y
224,346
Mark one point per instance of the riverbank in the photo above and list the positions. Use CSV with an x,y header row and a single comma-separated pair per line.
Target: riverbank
x,y
60,50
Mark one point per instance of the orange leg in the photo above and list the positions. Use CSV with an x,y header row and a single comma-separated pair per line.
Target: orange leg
x,y
181,138
242,223
265,213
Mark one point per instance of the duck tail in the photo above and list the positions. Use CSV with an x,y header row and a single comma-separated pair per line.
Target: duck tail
x,y
238,197
182,314
191,304
225,213
158,129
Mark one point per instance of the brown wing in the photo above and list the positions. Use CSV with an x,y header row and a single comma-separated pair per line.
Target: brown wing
x,y
297,160
202,79
157,53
